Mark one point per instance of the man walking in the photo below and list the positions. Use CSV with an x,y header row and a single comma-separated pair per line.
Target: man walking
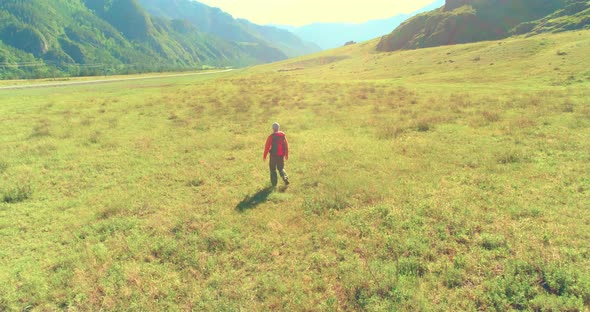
x,y
278,148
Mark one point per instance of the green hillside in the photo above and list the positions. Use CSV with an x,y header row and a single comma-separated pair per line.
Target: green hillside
x,y
452,178
72,37
575,15
463,21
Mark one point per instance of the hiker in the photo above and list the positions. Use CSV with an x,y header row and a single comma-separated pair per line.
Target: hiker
x,y
277,146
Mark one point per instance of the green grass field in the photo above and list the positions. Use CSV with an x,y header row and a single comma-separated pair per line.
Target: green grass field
x,y
446,179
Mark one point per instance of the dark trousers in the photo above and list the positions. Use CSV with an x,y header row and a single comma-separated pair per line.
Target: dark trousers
x,y
277,163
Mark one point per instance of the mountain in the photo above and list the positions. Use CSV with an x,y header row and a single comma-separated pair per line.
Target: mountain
x,y
463,21
333,35
213,21
41,38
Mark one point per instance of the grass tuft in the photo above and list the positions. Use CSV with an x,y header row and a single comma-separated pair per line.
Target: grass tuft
x,y
41,129
196,182
319,206
390,132
452,278
510,157
491,116
17,194
567,106
493,241
423,125
411,266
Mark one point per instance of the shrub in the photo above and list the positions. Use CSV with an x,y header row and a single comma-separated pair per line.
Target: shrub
x,y
17,194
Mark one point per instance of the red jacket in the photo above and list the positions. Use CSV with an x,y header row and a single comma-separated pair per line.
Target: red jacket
x,y
280,152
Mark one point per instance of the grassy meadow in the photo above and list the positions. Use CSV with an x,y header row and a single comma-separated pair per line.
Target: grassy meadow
x,y
445,179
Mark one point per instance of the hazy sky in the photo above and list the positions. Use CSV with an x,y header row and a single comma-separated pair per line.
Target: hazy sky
x,y
302,12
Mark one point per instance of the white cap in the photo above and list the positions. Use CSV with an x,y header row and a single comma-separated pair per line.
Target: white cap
x,y
276,126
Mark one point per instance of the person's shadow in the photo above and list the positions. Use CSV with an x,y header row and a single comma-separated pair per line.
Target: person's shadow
x,y
251,201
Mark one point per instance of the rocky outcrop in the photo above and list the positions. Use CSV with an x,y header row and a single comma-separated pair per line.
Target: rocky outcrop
x,y
454,4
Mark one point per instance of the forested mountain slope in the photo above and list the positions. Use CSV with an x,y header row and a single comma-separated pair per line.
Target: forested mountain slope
x,y
41,38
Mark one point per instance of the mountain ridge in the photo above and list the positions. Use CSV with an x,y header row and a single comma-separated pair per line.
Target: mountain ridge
x,y
464,21
214,21
333,35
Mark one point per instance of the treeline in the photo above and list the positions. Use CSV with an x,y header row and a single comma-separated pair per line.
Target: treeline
x,y
38,70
